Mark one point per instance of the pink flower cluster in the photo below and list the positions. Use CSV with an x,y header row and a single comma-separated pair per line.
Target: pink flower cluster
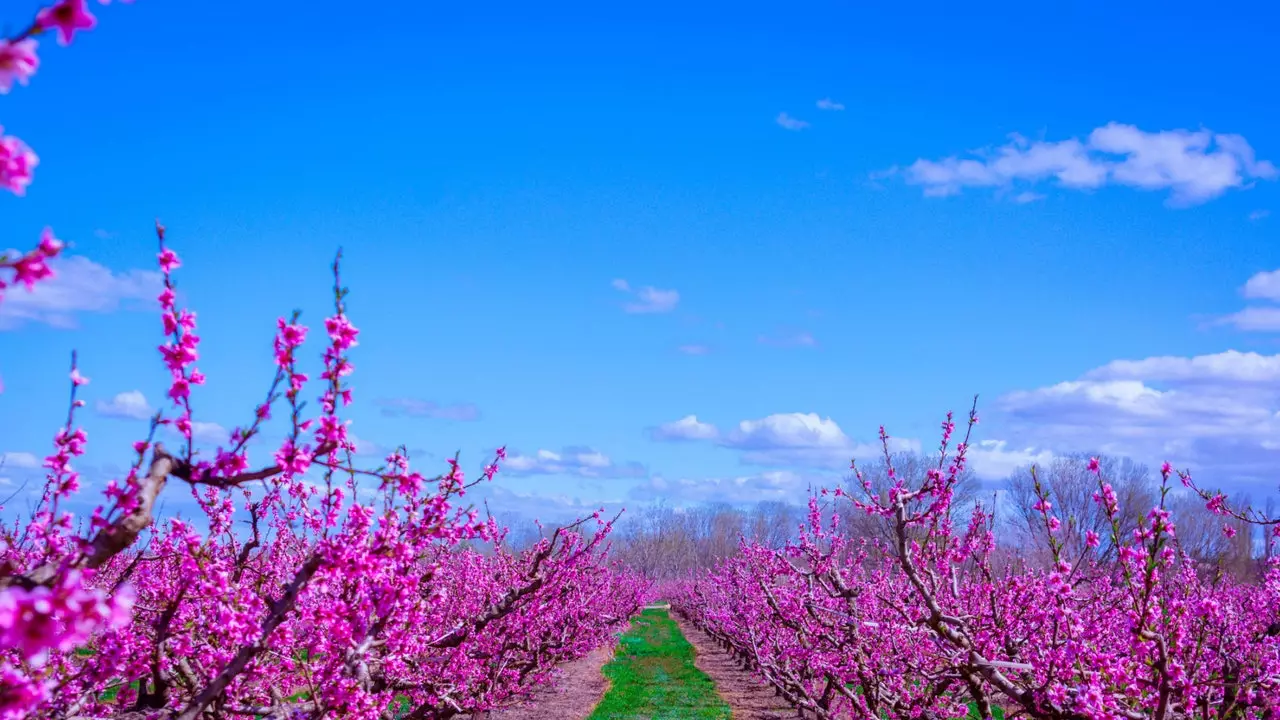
x,y
931,625
58,619
18,62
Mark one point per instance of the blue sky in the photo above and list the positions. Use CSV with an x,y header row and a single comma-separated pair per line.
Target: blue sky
x,y
492,170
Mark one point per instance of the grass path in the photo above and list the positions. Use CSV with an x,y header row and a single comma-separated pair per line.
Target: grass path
x,y
653,676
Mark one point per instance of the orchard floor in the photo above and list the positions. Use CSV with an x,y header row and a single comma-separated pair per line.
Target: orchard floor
x,y
663,669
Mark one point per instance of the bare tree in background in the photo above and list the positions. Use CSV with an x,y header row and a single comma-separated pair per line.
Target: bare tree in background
x,y
1218,544
1070,485
667,543
910,468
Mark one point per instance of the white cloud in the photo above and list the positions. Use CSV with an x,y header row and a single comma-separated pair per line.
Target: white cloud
x,y
1228,366
686,428
1220,412
1263,286
648,299
19,460
580,461
130,405
1257,215
1193,167
829,104
991,460
791,123
771,485
1027,196
803,439
78,285
694,349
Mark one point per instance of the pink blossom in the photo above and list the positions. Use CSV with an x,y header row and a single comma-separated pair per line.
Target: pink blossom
x,y
18,62
17,162
67,16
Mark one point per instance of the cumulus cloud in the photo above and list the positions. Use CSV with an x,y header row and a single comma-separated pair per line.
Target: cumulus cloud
x,y
686,428
23,460
648,299
130,405
412,407
579,461
803,439
1219,412
829,104
1192,166
995,460
78,285
790,123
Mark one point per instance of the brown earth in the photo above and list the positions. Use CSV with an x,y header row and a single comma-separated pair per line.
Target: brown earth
x,y
747,695
574,694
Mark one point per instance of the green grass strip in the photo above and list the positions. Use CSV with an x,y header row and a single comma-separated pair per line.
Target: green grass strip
x,y
652,676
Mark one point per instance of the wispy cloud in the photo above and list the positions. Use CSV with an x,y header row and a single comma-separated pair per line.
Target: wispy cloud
x,y
647,299
24,460
1257,215
1261,286
789,338
829,104
78,285
694,349
1192,166
412,407
791,123
770,485
1253,319
210,433
130,405
367,447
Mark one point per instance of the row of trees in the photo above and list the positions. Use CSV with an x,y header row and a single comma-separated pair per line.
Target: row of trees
x,y
667,543
932,622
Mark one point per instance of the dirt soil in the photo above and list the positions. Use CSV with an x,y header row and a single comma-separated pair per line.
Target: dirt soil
x,y
748,696
572,697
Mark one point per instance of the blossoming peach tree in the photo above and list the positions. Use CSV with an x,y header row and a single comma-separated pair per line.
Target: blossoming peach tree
x,y
930,626
309,586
